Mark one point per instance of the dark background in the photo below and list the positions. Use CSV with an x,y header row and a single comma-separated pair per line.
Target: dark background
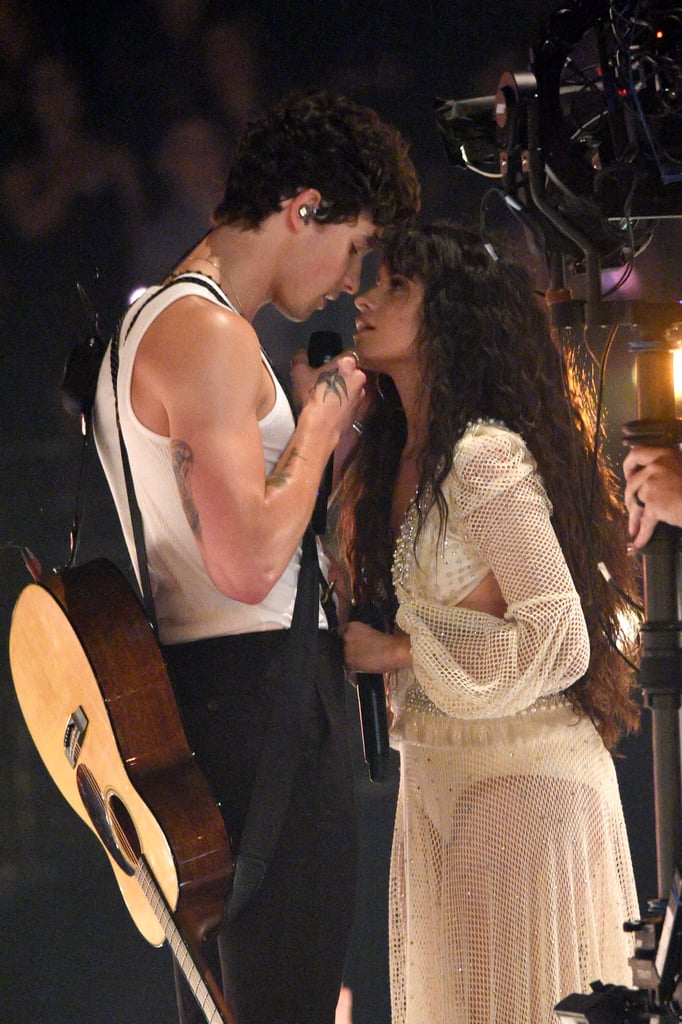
x,y
127,112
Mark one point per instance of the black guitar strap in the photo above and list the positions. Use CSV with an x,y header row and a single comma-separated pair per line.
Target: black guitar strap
x,y
280,756
135,514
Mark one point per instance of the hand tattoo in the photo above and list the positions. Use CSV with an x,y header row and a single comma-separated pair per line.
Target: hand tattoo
x,y
334,383
183,460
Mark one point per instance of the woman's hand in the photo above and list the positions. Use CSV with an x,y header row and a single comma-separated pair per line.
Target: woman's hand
x,y
370,650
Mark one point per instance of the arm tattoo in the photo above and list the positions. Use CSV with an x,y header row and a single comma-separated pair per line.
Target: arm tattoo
x,y
183,459
280,477
333,383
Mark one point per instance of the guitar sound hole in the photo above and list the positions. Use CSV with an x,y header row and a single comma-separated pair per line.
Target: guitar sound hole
x,y
124,829
123,850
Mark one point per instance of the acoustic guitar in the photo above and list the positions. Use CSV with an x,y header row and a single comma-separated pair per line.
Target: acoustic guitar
x,y
94,692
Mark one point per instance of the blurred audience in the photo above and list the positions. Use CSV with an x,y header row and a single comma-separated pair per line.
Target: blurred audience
x,y
18,44
146,58
189,166
232,71
69,200
66,160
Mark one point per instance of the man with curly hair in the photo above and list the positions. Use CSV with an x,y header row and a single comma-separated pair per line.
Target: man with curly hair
x,y
226,484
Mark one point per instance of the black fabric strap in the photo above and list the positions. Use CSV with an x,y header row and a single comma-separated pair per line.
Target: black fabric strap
x,y
280,756
327,602
135,514
281,753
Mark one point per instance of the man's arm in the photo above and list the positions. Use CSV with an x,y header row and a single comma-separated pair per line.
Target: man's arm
x,y
199,379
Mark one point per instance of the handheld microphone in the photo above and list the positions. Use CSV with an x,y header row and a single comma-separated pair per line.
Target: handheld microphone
x,y
322,347
372,707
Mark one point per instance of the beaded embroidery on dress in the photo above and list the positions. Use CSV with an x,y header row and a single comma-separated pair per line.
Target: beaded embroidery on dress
x,y
511,875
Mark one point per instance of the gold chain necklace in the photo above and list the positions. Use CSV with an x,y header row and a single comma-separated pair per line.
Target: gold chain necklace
x,y
223,273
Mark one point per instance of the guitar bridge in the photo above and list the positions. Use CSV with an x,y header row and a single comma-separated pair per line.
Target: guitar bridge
x,y
76,728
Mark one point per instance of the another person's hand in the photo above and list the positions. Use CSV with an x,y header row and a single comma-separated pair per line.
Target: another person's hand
x,y
653,490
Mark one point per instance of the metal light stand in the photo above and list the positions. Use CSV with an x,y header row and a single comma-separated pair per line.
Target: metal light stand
x,y
660,673
655,967
661,667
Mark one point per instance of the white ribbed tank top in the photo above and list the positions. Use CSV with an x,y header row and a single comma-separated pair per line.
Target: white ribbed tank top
x,y
188,606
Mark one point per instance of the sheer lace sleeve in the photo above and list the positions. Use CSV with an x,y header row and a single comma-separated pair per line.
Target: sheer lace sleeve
x,y
474,665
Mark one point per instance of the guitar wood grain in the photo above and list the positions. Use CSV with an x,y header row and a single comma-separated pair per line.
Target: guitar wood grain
x,y
80,640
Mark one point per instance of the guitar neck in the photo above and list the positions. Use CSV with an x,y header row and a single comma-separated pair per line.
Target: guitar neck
x,y
196,978
94,691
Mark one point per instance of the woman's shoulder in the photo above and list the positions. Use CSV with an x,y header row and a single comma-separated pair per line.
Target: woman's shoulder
x,y
489,439
489,459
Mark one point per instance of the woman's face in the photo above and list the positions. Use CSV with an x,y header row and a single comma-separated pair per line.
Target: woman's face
x,y
388,322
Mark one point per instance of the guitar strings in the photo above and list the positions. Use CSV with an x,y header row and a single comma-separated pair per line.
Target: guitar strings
x,y
156,900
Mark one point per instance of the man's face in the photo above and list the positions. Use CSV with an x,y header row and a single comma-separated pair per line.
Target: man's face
x,y
326,261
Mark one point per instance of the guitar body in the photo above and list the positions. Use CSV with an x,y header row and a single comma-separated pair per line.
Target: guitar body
x,y
94,692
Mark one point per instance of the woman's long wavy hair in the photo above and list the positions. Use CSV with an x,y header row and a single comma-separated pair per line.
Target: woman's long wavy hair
x,y
486,352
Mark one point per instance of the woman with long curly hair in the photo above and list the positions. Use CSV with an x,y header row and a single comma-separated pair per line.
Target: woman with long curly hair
x,y
474,513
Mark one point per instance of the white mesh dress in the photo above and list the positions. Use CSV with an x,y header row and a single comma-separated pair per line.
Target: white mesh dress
x,y
511,875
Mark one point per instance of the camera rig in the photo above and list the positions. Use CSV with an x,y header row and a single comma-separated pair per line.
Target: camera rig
x,y
655,971
586,148
588,141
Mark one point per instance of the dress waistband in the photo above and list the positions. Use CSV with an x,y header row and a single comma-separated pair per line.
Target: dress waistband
x,y
415,722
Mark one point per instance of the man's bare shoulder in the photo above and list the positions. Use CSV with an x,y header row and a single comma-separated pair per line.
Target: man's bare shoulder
x,y
196,356
194,330
193,314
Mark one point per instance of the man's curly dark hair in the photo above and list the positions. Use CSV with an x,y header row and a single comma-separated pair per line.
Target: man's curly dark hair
x,y
315,140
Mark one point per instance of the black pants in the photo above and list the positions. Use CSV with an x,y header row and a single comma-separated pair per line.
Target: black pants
x,y
282,961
